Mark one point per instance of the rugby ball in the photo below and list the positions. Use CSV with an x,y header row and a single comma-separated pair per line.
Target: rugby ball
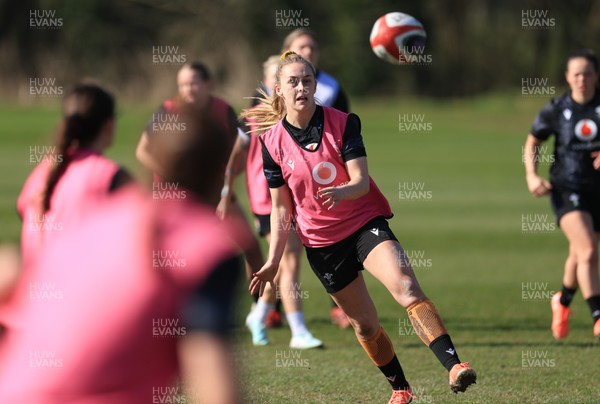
x,y
396,37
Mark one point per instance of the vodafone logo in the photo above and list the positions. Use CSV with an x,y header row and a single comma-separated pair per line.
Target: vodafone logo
x,y
586,130
324,173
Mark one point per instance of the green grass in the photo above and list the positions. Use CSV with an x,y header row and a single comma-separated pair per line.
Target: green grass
x,y
469,229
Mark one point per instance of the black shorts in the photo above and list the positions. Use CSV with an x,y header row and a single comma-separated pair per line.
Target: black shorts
x,y
337,265
262,224
564,201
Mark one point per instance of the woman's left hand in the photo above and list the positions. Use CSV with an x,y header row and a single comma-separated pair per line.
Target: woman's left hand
x,y
332,195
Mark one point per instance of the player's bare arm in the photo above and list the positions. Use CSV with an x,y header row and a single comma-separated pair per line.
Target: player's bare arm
x,y
142,153
234,166
280,227
537,185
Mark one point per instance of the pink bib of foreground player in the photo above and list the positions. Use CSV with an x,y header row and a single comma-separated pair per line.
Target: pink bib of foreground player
x,y
99,315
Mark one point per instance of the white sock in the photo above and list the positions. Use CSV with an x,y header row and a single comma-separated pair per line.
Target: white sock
x,y
261,309
296,322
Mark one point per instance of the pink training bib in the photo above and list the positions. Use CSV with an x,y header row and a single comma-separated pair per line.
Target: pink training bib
x,y
99,313
306,171
85,181
258,189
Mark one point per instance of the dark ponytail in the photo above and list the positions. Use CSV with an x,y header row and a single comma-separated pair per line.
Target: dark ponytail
x,y
85,110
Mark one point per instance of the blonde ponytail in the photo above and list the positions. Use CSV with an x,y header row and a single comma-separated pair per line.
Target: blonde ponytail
x,y
266,114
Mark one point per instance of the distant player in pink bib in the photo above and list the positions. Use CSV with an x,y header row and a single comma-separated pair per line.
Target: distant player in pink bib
x,y
316,166
65,186
194,92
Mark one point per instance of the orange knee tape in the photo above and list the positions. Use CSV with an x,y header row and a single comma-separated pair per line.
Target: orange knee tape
x,y
379,347
426,321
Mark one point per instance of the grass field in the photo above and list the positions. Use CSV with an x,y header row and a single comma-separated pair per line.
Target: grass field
x,y
486,252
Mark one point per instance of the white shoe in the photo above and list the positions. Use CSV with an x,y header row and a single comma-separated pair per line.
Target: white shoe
x,y
305,341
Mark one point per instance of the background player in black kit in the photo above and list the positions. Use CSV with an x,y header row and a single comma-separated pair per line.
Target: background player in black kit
x,y
574,187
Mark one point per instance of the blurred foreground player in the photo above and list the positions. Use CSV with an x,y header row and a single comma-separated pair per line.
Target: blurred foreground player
x,y
115,327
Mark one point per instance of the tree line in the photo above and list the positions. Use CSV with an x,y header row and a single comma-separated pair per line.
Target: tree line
x,y
473,46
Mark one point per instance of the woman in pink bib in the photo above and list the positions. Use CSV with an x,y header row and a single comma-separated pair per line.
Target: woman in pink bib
x,y
67,183
316,167
248,148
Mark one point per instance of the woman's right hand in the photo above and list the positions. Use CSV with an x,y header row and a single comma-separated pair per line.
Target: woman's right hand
x,y
223,208
537,185
260,279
